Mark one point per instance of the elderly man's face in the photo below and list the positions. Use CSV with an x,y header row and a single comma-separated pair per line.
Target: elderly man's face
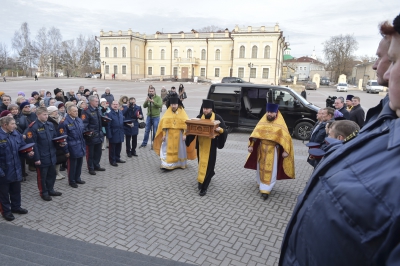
x,y
94,103
73,112
382,63
393,73
115,105
338,104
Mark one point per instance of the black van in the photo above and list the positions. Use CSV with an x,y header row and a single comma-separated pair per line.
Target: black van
x,y
242,105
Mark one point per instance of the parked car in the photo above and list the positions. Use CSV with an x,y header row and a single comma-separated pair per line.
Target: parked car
x,y
342,87
233,80
373,87
289,80
310,85
242,106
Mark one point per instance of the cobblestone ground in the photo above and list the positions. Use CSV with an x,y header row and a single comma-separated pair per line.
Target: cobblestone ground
x,y
139,208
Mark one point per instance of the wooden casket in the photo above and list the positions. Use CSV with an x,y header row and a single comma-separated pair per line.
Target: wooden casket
x,y
202,127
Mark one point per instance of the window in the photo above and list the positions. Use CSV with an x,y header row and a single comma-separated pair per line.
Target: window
x,y
253,73
283,98
150,54
240,72
232,54
265,73
106,52
242,51
115,69
189,53
107,69
137,69
124,70
162,54
137,51
267,52
216,74
162,71
305,68
202,72
150,71
176,53
123,52
203,54
115,51
254,51
217,54
175,71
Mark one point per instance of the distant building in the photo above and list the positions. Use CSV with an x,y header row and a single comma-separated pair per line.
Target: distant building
x,y
304,67
363,71
185,55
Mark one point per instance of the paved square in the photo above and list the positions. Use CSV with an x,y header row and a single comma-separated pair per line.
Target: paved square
x,y
139,208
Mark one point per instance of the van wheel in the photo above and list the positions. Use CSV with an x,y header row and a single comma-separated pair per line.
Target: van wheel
x,y
229,129
302,130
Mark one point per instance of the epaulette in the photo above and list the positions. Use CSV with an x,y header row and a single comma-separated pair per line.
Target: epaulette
x,y
31,124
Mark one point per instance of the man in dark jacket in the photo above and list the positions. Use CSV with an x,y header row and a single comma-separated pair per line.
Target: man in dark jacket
x,y
351,204
91,118
6,101
304,93
42,133
108,96
339,105
72,126
115,134
10,169
357,113
132,112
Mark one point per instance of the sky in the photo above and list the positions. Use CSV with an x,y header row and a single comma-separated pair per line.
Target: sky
x,y
305,24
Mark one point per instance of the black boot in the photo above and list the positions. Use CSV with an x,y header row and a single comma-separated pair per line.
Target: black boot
x,y
134,153
264,195
129,154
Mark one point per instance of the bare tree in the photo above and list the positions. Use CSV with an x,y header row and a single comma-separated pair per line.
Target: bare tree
x,y
43,49
211,28
5,59
367,58
22,44
339,54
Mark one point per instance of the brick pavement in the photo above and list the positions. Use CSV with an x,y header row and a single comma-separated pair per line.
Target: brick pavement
x,y
139,208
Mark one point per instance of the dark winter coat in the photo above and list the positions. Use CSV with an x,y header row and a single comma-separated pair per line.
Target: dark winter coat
x,y
131,113
345,113
60,153
357,115
91,118
115,128
73,128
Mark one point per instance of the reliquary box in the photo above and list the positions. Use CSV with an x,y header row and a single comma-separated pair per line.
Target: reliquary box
x,y
202,127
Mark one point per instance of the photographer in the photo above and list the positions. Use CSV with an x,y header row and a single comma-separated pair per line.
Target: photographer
x,y
132,112
153,104
172,93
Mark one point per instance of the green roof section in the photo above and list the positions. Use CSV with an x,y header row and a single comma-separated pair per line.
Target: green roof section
x,y
287,57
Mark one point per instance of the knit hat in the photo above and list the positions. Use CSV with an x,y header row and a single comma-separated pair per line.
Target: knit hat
x,y
21,93
4,113
60,105
51,109
102,100
79,104
34,93
57,90
23,104
86,90
73,99
1,93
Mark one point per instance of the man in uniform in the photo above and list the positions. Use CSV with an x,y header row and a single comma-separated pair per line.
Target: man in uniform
x,y
207,147
11,142
349,211
271,150
115,134
91,118
42,133
169,142
72,126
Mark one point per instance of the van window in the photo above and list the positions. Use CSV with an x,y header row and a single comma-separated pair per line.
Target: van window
x,y
224,94
283,98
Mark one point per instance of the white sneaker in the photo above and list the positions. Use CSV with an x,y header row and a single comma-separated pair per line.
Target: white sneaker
x,y
59,177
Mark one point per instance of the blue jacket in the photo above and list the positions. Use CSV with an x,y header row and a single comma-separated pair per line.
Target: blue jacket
x,y
42,134
91,118
76,145
320,134
10,165
132,114
115,128
349,212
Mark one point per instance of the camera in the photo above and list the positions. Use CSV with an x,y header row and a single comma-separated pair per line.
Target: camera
x,y
130,105
150,95
330,101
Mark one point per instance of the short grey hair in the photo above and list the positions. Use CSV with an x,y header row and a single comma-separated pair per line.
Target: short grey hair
x,y
92,97
6,120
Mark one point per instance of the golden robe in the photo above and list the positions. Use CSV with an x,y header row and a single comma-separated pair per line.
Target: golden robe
x,y
269,135
175,124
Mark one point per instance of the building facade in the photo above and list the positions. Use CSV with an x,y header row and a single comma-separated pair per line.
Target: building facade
x,y
250,53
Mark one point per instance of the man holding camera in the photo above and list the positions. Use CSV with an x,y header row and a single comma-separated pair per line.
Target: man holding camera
x,y
91,118
153,104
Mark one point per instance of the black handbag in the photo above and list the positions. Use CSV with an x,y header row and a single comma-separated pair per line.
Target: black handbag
x,y
142,125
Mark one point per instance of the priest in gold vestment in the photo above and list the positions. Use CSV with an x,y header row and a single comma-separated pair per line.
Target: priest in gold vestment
x,y
169,142
271,151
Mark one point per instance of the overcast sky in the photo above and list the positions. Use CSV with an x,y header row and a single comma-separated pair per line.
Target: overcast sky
x,y
305,23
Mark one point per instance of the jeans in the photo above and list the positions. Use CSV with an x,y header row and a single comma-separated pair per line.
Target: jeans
x,y
150,121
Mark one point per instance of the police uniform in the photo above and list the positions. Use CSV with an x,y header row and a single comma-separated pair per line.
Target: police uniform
x,y
115,135
76,147
132,113
91,118
10,174
45,151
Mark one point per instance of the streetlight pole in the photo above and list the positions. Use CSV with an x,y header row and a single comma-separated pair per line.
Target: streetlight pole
x,y
104,68
250,66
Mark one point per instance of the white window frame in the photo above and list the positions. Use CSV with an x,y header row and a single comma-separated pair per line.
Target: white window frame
x,y
215,72
244,51
115,51
150,54
256,51
123,69
162,69
253,72
107,70
150,71
217,54
244,71
115,67
123,51
263,72
162,54
202,68
205,54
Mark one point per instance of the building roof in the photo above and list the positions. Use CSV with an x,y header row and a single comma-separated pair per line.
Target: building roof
x,y
287,57
304,59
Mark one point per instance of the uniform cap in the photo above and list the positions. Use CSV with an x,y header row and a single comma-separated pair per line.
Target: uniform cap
x,y
128,121
27,148
106,119
313,145
60,138
317,153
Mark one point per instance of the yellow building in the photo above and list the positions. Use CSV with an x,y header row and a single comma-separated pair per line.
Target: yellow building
x,y
255,53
